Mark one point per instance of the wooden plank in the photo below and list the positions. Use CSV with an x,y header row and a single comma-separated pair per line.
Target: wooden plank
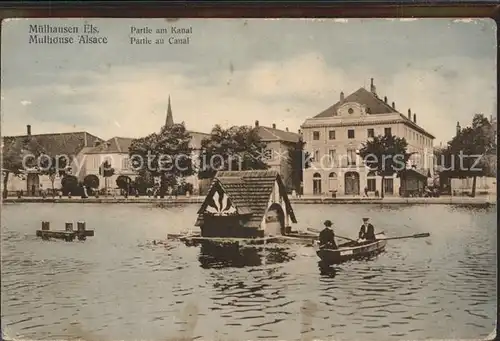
x,y
63,234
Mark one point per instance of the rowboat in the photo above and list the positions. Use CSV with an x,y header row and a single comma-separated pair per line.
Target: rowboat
x,y
353,251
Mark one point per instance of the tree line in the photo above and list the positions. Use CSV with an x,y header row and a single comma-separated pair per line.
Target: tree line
x,y
471,153
170,158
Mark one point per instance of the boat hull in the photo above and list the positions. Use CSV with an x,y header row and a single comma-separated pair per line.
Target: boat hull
x,y
349,251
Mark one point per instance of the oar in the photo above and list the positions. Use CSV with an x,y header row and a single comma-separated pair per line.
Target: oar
x,y
316,231
419,235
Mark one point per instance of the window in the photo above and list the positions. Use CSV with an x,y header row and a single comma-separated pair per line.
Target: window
x,y
371,184
331,155
317,183
351,157
371,181
389,186
316,156
350,111
125,163
350,134
331,134
371,133
316,135
387,132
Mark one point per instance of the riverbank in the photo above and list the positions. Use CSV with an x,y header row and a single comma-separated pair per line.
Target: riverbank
x,y
444,200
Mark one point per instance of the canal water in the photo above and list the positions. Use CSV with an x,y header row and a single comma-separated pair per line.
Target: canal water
x,y
118,285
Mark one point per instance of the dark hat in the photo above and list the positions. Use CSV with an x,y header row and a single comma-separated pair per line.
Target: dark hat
x,y
366,219
328,223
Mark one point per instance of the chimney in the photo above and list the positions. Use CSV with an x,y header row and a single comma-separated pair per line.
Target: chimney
x,y
385,99
409,114
415,118
274,125
286,128
28,130
372,87
341,97
256,123
393,105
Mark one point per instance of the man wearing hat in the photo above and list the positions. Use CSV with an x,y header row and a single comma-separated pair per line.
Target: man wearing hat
x,y
327,236
367,231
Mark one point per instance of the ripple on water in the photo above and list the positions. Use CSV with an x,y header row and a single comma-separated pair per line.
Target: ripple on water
x,y
131,289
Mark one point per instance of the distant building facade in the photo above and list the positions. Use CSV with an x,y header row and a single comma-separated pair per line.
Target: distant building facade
x,y
116,152
334,136
72,145
278,144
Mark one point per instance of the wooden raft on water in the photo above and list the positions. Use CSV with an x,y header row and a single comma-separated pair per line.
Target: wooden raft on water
x,y
295,238
68,234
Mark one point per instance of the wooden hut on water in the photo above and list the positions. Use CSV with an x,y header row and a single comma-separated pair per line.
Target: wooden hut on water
x,y
245,204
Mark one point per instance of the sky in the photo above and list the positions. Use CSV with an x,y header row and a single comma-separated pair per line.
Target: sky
x,y
236,71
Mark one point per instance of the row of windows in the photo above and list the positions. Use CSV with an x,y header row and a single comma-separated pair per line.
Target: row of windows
x,y
125,163
348,160
350,133
370,132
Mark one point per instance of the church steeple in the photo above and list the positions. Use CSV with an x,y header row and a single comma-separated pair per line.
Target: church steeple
x,y
170,118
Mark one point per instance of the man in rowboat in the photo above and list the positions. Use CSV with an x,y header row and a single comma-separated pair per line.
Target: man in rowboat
x,y
367,231
327,237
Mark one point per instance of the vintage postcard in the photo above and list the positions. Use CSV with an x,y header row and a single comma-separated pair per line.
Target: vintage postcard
x,y
232,179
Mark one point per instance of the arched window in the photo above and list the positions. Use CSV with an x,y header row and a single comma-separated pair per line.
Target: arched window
x,y
317,183
332,175
371,181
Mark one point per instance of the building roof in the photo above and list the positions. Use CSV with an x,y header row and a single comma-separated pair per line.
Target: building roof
x,y
418,172
69,144
374,106
115,145
362,96
267,134
250,192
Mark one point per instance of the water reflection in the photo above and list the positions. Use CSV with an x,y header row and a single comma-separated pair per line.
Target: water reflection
x,y
217,256
327,270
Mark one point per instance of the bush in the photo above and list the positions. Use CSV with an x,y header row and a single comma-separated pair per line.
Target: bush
x,y
123,182
142,183
91,181
69,184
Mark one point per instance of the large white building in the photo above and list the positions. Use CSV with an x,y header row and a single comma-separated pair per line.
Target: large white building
x,y
334,136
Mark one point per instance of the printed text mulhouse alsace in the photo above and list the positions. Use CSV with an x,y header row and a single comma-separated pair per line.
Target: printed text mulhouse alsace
x,y
49,34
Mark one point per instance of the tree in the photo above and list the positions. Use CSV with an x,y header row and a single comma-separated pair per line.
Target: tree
x,y
467,154
385,155
106,171
123,182
143,182
18,155
53,166
236,148
91,181
69,184
167,155
298,159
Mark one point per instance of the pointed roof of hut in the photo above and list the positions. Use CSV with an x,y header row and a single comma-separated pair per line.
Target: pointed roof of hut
x,y
249,192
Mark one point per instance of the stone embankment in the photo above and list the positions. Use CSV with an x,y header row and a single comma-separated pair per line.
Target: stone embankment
x,y
446,200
